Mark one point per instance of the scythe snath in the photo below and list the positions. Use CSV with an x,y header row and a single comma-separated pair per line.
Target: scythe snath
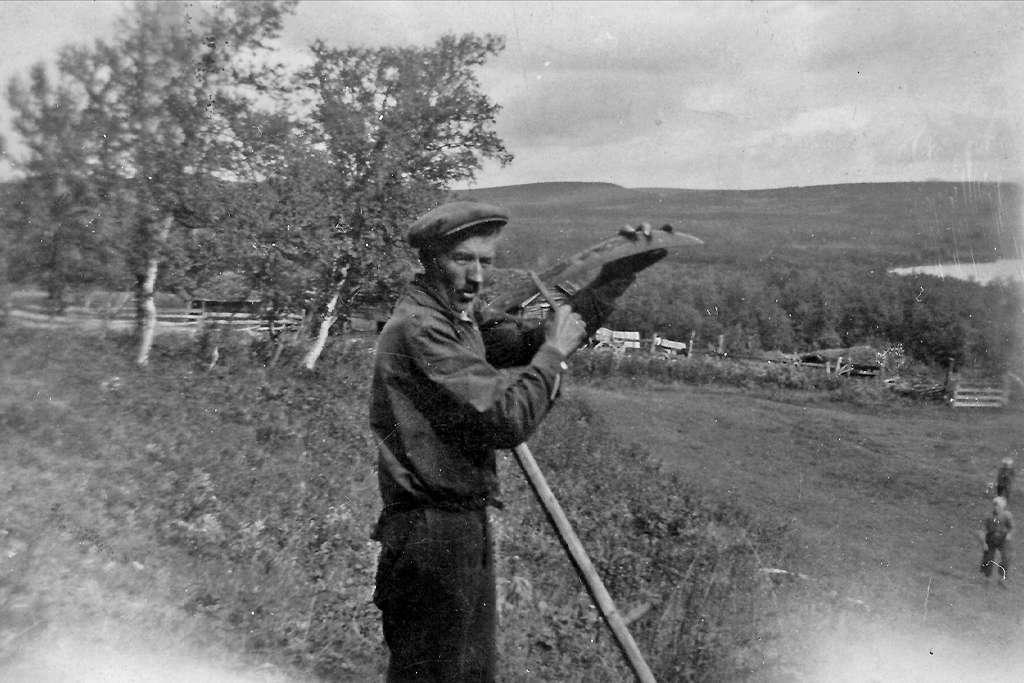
x,y
573,546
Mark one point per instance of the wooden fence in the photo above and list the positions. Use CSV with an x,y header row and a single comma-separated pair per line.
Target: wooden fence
x,y
184,319
973,395
964,395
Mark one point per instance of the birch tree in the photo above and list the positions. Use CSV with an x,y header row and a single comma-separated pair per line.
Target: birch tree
x,y
159,104
179,83
399,125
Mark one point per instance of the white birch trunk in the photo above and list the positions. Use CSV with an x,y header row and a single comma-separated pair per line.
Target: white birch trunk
x,y
147,306
146,294
330,317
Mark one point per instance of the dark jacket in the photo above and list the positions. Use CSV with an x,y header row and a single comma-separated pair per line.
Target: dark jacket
x,y
1004,480
997,526
440,405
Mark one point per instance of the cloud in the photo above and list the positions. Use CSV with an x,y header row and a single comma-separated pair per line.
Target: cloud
x,y
827,119
584,107
781,93
738,94
920,37
966,142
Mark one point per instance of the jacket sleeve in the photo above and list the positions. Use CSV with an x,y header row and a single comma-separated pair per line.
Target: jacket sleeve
x,y
472,401
510,341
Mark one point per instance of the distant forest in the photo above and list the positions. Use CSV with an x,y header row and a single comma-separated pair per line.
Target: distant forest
x,y
800,268
790,269
181,156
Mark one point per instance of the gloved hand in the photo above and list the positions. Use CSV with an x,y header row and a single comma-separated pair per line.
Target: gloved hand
x,y
596,302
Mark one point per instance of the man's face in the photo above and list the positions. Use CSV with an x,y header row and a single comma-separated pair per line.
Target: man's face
x,y
464,269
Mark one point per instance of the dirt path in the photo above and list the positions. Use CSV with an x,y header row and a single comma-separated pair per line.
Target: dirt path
x,y
884,503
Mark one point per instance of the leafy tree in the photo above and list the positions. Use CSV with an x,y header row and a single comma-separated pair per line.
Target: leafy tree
x,y
399,126
283,230
156,111
869,312
773,321
178,85
932,328
60,231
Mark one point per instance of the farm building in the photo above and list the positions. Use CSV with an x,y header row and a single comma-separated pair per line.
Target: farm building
x,y
856,360
226,294
369,319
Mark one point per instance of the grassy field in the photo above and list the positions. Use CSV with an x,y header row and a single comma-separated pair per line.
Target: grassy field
x,y
175,514
885,502
214,525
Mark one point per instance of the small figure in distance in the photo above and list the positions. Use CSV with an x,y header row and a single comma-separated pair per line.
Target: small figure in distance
x,y
996,532
1004,479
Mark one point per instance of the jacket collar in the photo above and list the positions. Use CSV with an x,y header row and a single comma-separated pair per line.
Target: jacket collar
x,y
425,293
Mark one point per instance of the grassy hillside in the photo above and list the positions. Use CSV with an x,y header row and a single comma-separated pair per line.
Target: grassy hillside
x,y
226,515
885,501
882,224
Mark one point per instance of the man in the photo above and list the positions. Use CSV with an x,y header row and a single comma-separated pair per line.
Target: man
x,y
440,407
997,530
1004,479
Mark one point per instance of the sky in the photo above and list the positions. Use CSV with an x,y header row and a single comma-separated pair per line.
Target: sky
x,y
703,95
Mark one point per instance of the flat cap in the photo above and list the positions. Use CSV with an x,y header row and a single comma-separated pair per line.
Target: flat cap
x,y
445,222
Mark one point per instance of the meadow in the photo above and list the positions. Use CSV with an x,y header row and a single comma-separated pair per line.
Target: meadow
x,y
753,521
229,512
224,515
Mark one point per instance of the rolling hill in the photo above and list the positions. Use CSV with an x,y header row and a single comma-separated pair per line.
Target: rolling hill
x,y
877,224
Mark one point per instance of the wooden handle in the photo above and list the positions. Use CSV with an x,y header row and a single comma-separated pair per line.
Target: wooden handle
x,y
583,565
544,291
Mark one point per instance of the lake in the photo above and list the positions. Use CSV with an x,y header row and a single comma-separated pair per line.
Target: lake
x,y
983,273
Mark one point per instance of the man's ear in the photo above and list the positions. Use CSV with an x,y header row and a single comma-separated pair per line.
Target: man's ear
x,y
428,259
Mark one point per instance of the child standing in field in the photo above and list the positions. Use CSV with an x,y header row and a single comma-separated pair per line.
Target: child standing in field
x,y
997,529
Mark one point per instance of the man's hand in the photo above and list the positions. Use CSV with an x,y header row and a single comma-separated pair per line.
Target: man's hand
x,y
565,330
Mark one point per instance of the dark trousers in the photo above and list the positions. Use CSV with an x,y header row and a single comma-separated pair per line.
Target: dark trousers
x,y
436,592
1003,489
989,556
